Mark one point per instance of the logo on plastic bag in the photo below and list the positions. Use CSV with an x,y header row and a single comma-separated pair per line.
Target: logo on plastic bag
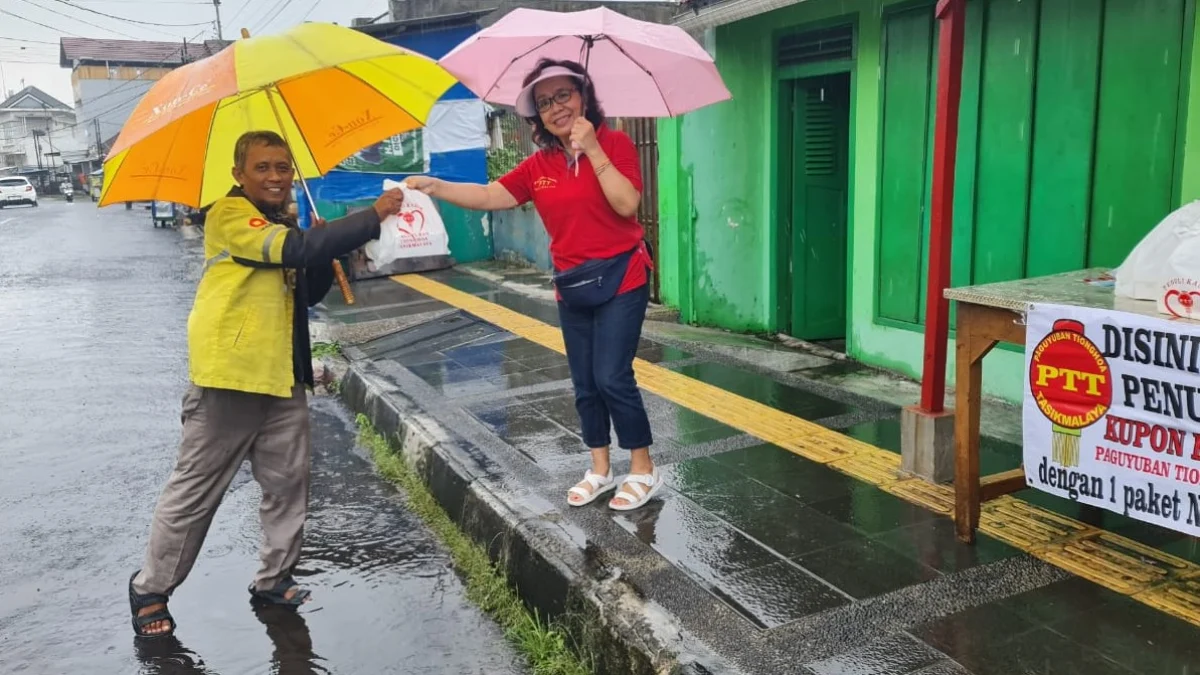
x,y
411,222
410,225
1180,298
416,230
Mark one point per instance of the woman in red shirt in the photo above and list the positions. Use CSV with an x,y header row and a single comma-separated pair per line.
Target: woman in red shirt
x,y
586,184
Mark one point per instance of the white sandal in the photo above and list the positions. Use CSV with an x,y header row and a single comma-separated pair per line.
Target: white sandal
x,y
599,484
636,481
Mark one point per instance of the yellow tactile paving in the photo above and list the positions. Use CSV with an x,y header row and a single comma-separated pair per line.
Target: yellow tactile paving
x,y
877,468
936,498
1180,599
1115,562
1027,527
1157,579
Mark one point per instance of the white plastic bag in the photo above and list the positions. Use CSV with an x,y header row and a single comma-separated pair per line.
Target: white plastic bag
x,y
416,232
1169,254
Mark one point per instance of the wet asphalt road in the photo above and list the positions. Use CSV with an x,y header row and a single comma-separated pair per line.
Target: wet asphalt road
x,y
93,312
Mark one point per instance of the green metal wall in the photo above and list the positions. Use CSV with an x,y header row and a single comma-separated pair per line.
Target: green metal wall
x,y
718,180
716,265
1069,142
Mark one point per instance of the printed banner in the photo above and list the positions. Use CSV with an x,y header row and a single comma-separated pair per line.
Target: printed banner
x,y
1112,412
405,153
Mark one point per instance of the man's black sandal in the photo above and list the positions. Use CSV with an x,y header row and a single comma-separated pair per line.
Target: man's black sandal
x,y
138,602
278,594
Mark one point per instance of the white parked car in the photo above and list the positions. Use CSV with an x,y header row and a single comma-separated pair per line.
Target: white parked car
x,y
17,190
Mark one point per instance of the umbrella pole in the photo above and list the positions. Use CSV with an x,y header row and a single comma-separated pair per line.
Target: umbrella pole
x,y
339,274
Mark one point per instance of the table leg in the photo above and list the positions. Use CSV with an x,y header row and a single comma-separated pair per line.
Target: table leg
x,y
970,348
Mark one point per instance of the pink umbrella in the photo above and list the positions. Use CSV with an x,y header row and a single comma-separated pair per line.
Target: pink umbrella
x,y
639,69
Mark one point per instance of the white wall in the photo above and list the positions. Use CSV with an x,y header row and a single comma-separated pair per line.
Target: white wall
x,y
18,146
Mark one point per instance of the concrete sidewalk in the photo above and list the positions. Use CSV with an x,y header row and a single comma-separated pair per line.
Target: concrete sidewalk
x,y
787,542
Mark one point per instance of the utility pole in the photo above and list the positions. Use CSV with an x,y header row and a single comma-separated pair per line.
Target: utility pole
x,y
99,141
37,148
217,7
49,126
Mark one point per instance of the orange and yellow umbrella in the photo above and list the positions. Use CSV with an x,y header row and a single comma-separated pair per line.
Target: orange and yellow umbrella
x,y
329,90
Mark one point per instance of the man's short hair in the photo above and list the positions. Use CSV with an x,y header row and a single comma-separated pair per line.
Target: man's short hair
x,y
253,138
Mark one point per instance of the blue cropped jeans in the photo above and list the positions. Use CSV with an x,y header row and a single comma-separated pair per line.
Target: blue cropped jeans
x,y
601,344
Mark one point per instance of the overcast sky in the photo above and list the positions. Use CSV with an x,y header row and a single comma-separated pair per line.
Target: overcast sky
x,y
29,51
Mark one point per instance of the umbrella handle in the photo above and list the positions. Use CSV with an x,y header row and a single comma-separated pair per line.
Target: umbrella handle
x,y
343,283
339,274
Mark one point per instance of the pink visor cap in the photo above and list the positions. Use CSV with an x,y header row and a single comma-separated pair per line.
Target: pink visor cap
x,y
525,104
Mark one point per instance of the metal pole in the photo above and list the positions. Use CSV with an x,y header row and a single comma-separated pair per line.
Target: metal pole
x,y
951,16
49,127
217,7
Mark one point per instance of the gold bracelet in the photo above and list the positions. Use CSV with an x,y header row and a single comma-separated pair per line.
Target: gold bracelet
x,y
603,168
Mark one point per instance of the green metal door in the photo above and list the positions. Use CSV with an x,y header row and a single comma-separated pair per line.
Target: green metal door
x,y
820,140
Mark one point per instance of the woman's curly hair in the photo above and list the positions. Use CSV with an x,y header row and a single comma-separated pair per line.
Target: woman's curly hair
x,y
591,106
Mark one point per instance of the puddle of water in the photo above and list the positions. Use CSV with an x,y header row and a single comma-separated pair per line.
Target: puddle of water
x,y
95,364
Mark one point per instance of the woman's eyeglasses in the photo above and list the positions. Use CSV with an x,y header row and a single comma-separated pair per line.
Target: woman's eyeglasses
x,y
561,97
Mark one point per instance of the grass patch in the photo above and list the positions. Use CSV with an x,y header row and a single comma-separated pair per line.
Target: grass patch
x,y
321,349
545,645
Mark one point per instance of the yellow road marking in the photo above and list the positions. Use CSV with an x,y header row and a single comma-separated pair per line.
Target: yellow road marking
x,y
1159,580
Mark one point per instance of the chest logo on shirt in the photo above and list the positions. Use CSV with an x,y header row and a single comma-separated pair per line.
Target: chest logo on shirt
x,y
257,223
544,183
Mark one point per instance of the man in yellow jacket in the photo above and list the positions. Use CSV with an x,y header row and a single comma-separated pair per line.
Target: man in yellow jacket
x,y
250,363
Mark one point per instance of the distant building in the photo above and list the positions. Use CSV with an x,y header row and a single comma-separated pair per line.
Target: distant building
x,y
109,77
401,10
38,135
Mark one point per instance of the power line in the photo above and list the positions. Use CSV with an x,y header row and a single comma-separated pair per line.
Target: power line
x,y
43,52
67,16
145,2
238,13
36,62
38,23
286,5
37,42
250,22
310,11
135,21
6,50
262,25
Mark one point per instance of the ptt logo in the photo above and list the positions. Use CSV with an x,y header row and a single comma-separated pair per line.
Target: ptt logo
x,y
1072,385
257,223
544,183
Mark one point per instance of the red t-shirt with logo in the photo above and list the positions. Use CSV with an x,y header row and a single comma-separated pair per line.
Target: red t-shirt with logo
x,y
577,216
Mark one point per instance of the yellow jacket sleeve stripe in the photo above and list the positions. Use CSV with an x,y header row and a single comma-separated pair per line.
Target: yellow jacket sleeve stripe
x,y
247,235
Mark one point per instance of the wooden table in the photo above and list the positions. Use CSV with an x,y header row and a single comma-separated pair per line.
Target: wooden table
x,y
988,315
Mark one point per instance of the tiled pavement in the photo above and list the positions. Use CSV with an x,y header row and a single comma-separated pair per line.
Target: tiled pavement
x,y
793,547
